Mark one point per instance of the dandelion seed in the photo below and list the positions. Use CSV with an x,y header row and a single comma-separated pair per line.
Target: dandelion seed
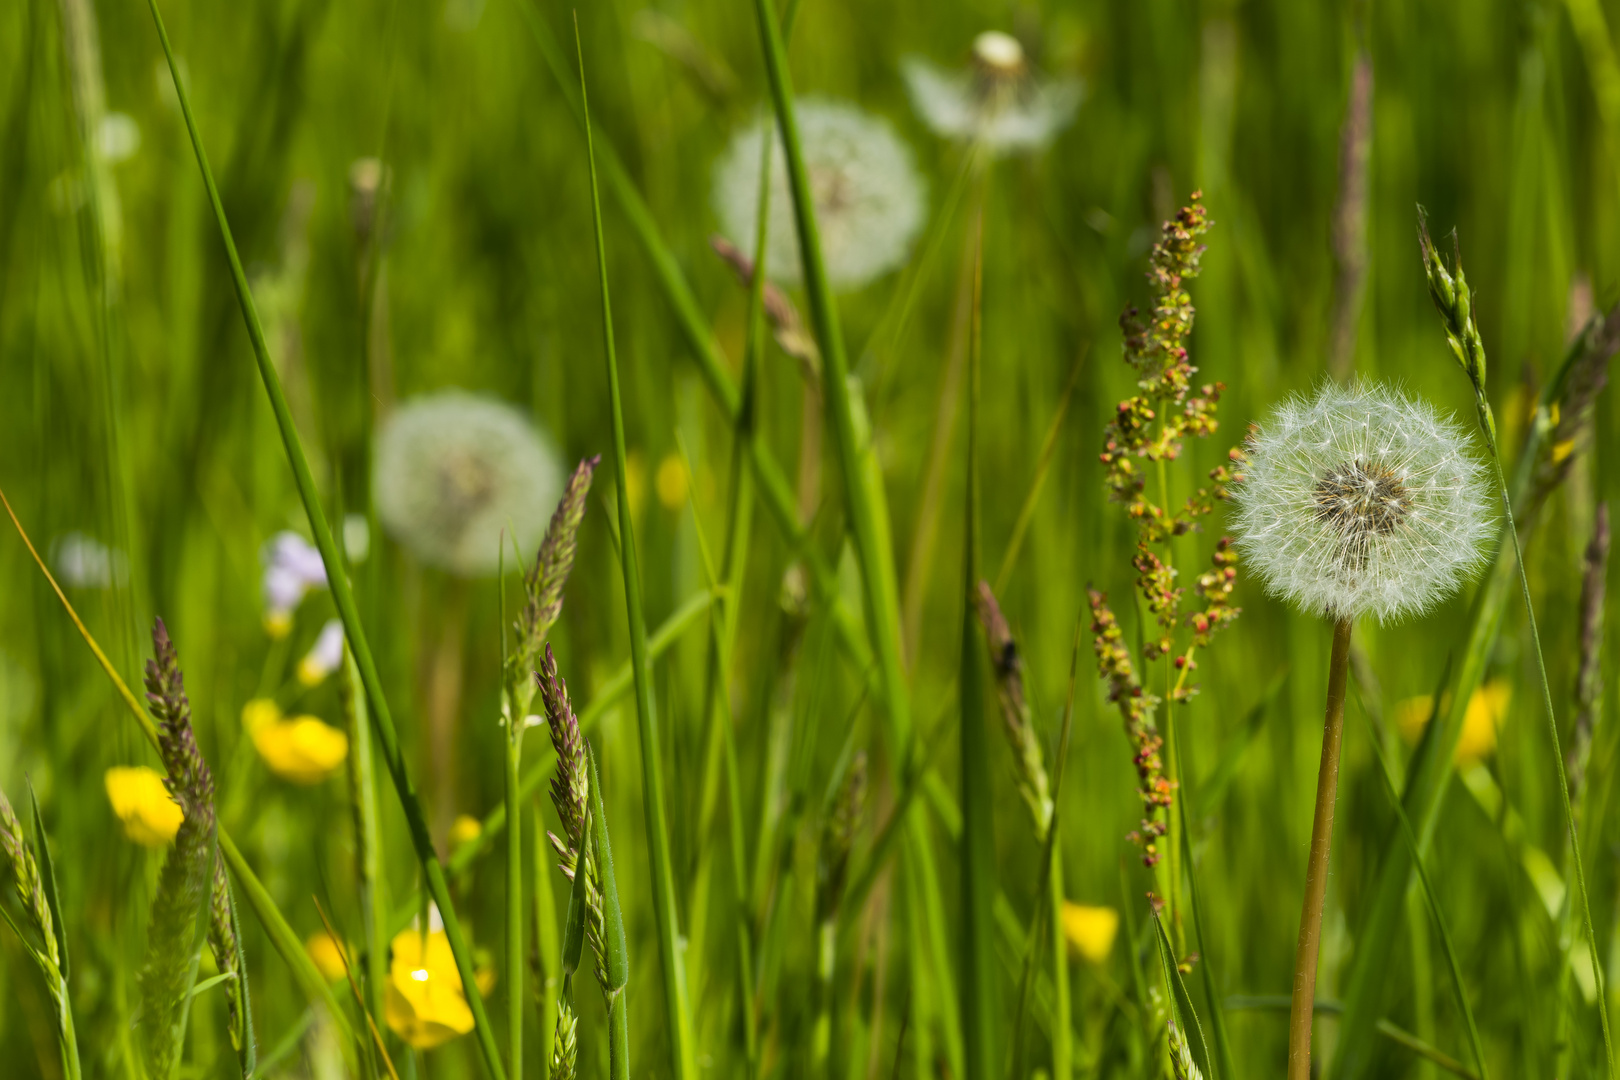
x,y
1362,500
869,200
453,470
999,102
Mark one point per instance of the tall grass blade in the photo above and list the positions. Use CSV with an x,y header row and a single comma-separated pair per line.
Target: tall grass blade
x,y
981,1018
47,883
1431,899
1181,1001
863,481
677,1013
614,946
1223,1068
547,947
354,988
342,594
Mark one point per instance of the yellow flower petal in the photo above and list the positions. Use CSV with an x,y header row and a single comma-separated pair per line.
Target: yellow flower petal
x,y
260,711
671,482
1486,711
425,1005
301,750
1090,930
278,624
142,803
465,830
324,951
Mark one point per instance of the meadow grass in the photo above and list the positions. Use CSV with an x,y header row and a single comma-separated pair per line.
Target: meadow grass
x,y
823,860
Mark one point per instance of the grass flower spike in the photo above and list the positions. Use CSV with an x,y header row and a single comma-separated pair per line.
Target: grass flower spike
x,y
452,470
999,102
869,199
140,801
1362,501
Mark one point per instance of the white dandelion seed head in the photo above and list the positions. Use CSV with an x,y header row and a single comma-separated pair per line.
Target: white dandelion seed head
x,y
453,469
1362,501
999,102
85,562
869,198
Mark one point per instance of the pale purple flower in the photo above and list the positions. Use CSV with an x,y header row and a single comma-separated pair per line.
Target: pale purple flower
x,y
324,656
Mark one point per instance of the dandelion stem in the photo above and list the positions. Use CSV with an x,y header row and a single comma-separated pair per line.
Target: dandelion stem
x,y
1316,869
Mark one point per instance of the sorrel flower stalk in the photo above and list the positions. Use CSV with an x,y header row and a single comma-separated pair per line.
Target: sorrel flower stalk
x,y
1359,501
1148,428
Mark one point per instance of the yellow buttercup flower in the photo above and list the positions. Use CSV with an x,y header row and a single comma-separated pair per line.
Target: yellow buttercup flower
x,y
150,816
426,1005
1487,709
465,830
1090,930
671,482
325,952
302,750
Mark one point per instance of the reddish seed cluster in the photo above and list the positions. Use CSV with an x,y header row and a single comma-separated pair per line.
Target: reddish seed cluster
x,y
1136,705
1150,427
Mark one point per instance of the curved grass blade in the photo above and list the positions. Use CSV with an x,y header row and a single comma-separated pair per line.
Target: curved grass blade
x,y
354,987
677,1012
1178,992
282,936
1217,1017
1430,898
342,594
47,882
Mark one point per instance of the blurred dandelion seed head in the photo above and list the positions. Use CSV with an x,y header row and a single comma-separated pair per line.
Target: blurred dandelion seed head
x,y
86,563
869,198
1361,500
453,470
999,101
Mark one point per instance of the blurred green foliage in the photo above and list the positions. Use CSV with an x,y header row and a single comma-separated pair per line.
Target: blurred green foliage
x,y
130,412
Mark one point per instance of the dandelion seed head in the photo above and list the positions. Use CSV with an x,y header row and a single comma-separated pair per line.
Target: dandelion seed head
x,y
453,470
999,102
869,198
1361,500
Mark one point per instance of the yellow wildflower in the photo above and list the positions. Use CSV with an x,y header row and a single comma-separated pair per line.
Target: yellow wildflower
x,y
1487,709
302,750
150,816
1090,930
327,955
671,482
278,624
426,1005
465,830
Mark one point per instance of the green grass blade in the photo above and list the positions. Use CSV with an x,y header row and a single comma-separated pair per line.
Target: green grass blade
x,y
368,832
1179,996
614,946
677,1012
47,881
1226,1070
342,594
573,943
981,1015
545,935
1433,901
863,482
